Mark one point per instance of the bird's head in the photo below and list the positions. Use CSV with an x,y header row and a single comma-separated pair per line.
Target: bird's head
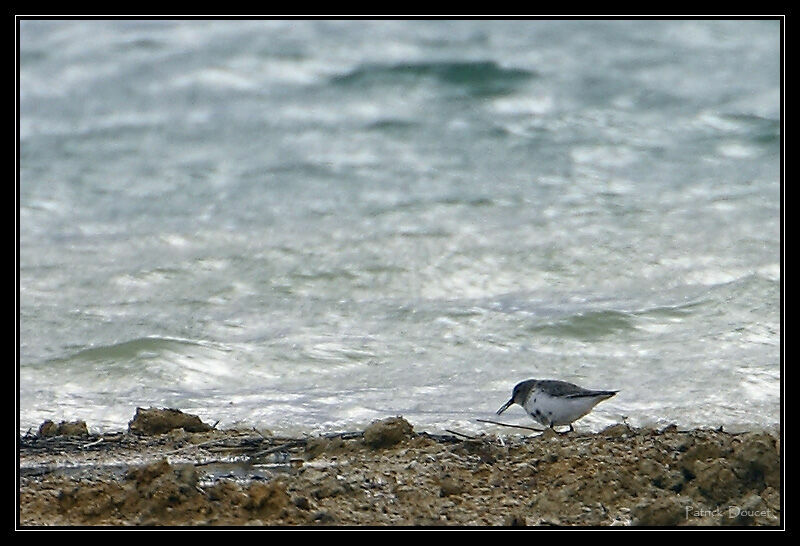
x,y
518,396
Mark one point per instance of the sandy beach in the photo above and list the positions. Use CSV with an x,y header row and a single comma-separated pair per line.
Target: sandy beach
x,y
391,475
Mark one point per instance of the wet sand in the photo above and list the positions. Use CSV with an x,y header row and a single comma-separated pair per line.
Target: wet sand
x,y
391,475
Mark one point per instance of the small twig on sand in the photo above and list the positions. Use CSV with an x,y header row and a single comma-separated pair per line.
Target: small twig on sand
x,y
282,447
90,444
259,433
345,435
440,437
509,425
459,434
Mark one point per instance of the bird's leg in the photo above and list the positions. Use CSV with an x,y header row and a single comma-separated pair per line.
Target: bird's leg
x,y
553,428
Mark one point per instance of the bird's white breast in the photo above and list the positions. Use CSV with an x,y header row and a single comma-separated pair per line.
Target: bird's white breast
x,y
557,410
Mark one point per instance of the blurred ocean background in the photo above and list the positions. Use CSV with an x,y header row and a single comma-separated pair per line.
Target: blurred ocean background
x,y
304,226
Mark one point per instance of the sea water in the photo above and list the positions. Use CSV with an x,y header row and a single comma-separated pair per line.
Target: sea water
x,y
303,226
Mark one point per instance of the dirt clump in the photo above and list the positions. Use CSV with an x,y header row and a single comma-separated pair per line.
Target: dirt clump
x,y
158,421
73,428
387,432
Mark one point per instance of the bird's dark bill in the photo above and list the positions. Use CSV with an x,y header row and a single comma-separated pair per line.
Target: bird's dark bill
x,y
505,406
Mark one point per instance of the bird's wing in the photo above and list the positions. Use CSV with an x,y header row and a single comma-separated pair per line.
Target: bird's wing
x,y
589,393
562,388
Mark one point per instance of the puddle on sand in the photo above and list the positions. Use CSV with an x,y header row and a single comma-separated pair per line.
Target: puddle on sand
x,y
238,469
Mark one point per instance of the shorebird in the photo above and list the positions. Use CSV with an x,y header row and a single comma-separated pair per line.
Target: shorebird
x,y
552,403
